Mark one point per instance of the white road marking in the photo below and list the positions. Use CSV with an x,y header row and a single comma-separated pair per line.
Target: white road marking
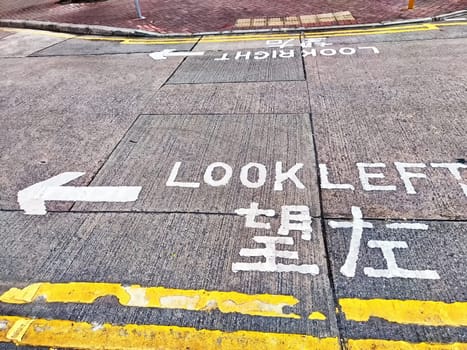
x,y
406,176
393,270
364,177
162,55
408,225
324,176
32,199
357,225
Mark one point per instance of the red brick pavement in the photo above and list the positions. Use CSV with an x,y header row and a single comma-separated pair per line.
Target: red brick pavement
x,y
190,16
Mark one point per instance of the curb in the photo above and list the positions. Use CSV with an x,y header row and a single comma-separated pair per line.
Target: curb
x,y
450,15
128,32
76,28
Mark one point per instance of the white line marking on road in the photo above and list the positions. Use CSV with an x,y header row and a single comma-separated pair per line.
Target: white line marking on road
x,y
408,225
32,199
364,177
324,175
162,55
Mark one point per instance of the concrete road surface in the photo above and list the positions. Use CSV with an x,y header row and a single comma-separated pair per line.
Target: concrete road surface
x,y
269,191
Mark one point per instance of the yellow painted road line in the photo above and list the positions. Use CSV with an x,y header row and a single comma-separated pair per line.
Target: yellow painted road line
x,y
419,312
376,31
379,29
250,37
82,335
154,297
90,336
452,24
317,316
370,33
264,37
208,39
377,344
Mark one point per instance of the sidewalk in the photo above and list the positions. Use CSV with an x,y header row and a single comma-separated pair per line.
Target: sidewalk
x,y
190,16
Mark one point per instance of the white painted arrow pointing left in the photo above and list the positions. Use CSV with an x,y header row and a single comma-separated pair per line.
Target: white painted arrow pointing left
x,y
162,55
32,199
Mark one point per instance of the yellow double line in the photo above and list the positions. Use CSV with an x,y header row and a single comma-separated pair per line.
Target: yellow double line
x,y
419,312
263,37
82,335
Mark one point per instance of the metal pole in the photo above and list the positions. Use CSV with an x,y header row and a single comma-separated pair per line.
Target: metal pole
x,y
138,10
411,4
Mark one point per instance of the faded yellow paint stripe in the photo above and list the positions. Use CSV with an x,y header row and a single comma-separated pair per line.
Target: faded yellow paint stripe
x,y
420,312
82,335
19,328
154,297
317,316
379,344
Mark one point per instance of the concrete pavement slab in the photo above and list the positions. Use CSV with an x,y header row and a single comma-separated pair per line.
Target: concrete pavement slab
x,y
24,44
384,114
427,264
69,116
178,251
231,98
241,66
100,47
175,158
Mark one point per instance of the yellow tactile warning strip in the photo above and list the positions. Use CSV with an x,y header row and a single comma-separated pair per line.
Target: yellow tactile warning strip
x,y
154,297
82,335
419,312
343,17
